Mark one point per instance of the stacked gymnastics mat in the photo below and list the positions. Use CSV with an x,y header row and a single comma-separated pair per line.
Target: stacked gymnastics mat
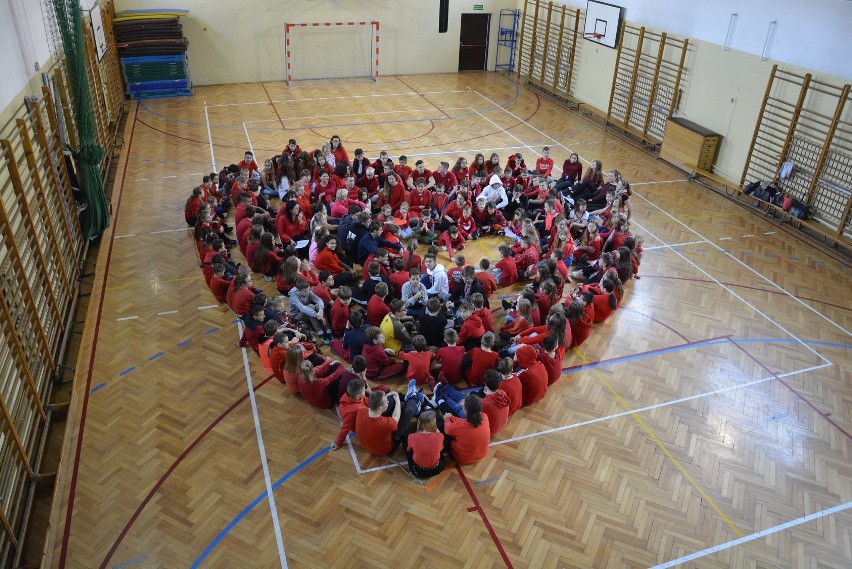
x,y
152,49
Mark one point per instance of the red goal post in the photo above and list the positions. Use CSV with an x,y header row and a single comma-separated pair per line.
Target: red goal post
x,y
291,40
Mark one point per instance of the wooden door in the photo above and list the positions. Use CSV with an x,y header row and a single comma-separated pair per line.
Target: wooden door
x,y
473,42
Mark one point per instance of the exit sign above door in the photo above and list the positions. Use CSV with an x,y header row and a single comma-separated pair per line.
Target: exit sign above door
x,y
478,7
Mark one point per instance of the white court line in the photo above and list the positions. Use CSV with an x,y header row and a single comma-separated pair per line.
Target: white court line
x,y
674,245
248,138
196,174
725,238
660,182
754,536
616,415
397,111
773,283
474,150
725,287
505,131
554,142
166,177
747,235
168,230
769,233
167,312
409,94
126,318
127,235
210,138
270,496
208,307
355,460
141,180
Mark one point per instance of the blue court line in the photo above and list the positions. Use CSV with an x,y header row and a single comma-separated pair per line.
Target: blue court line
x,y
157,355
325,450
185,342
128,370
701,250
98,387
211,331
254,503
793,259
486,481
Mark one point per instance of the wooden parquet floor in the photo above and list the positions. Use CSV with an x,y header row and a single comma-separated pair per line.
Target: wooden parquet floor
x,y
714,405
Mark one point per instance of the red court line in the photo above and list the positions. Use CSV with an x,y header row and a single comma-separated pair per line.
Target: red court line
x,y
273,105
663,324
422,96
171,469
72,492
826,416
819,300
478,508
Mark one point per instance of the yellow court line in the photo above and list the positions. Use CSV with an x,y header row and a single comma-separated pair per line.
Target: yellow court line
x,y
367,120
660,444
118,287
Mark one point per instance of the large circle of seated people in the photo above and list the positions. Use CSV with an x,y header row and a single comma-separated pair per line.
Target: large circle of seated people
x,y
345,249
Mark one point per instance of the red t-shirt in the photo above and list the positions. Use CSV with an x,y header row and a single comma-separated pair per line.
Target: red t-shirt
x,y
544,165
470,444
509,275
339,317
448,179
374,433
481,361
418,364
451,359
426,448
377,309
488,282
398,279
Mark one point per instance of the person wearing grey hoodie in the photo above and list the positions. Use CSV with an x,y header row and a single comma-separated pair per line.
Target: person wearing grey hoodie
x,y
436,276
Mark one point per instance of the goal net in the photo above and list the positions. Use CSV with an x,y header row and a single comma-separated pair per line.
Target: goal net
x,y
331,50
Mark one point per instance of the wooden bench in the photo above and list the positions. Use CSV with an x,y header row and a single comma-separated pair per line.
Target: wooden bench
x,y
732,189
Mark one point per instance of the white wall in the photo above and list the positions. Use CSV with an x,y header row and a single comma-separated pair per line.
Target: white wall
x,y
723,91
815,34
222,35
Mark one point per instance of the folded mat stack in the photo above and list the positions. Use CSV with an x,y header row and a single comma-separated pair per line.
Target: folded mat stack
x,y
153,53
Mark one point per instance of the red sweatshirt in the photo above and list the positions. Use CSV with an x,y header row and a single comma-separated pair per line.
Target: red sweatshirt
x,y
339,317
534,377
496,406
